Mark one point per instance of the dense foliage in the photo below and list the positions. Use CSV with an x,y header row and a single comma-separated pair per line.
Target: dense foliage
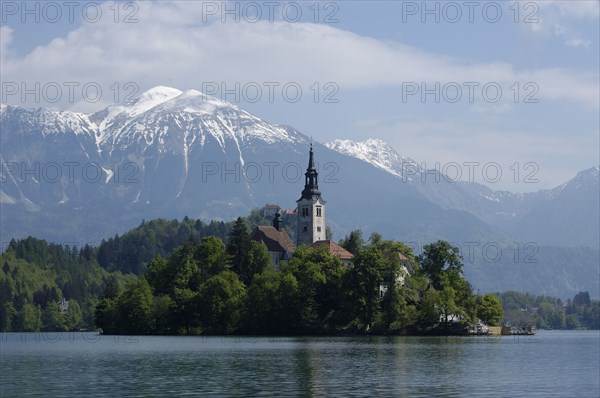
x,y
35,275
131,252
211,278
551,312
208,287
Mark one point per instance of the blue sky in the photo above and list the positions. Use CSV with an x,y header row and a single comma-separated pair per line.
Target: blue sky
x,y
365,57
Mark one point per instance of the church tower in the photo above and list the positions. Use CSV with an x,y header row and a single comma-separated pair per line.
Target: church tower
x,y
311,207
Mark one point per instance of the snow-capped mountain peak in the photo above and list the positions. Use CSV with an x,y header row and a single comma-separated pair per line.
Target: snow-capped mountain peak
x,y
376,152
153,97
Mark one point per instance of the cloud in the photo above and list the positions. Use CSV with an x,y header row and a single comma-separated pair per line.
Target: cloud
x,y
172,45
560,18
6,37
579,43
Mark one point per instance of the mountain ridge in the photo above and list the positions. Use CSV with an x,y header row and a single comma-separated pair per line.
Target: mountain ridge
x,y
172,154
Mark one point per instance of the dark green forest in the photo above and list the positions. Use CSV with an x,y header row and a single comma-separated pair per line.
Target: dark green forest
x,y
189,277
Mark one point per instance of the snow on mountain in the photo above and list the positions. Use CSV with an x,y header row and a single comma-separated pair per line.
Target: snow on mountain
x,y
585,179
378,153
176,121
49,122
154,152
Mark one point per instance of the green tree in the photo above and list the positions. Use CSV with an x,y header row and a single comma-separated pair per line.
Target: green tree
x,y
429,310
112,288
29,319
489,310
353,242
160,275
105,316
272,303
73,318
238,247
212,256
582,299
440,258
320,276
258,259
366,276
162,311
572,321
7,314
221,302
52,318
134,308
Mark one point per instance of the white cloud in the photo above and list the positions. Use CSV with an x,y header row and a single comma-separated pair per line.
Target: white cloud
x,y
560,18
6,37
172,46
579,43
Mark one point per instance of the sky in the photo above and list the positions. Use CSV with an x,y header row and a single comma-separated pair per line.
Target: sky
x,y
509,86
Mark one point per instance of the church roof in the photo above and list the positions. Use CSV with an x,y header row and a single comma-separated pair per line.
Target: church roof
x,y
275,240
335,249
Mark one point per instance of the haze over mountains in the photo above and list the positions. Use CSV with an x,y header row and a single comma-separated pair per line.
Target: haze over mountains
x,y
70,177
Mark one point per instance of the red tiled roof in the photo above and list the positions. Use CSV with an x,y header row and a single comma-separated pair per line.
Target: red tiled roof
x,y
276,241
335,249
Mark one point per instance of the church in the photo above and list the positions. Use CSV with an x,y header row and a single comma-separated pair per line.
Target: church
x,y
310,223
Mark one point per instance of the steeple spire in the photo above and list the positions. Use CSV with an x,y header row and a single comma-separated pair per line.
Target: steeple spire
x,y
311,183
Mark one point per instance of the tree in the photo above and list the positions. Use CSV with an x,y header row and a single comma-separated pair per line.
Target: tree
x,y
53,319
572,321
212,256
428,310
159,275
105,316
238,247
353,242
582,299
489,310
221,303
134,308
366,277
73,318
439,258
447,305
7,315
111,288
272,303
162,315
258,259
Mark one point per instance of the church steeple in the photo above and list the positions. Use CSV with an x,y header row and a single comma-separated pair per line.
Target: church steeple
x,y
311,207
311,178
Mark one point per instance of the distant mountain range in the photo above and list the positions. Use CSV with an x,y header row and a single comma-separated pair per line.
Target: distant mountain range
x,y
568,215
71,177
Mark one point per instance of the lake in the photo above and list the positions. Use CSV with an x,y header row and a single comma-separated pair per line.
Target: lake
x,y
549,364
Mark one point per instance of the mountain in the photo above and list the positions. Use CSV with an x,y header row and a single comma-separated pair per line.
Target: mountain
x,y
74,178
567,215
70,177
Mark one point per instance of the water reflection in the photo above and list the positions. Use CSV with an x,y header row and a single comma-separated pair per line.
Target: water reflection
x,y
553,364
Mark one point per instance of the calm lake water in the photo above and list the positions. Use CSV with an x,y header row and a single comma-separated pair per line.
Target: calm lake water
x,y
550,364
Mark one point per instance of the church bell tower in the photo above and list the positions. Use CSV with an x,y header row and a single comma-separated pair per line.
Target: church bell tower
x,y
311,207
